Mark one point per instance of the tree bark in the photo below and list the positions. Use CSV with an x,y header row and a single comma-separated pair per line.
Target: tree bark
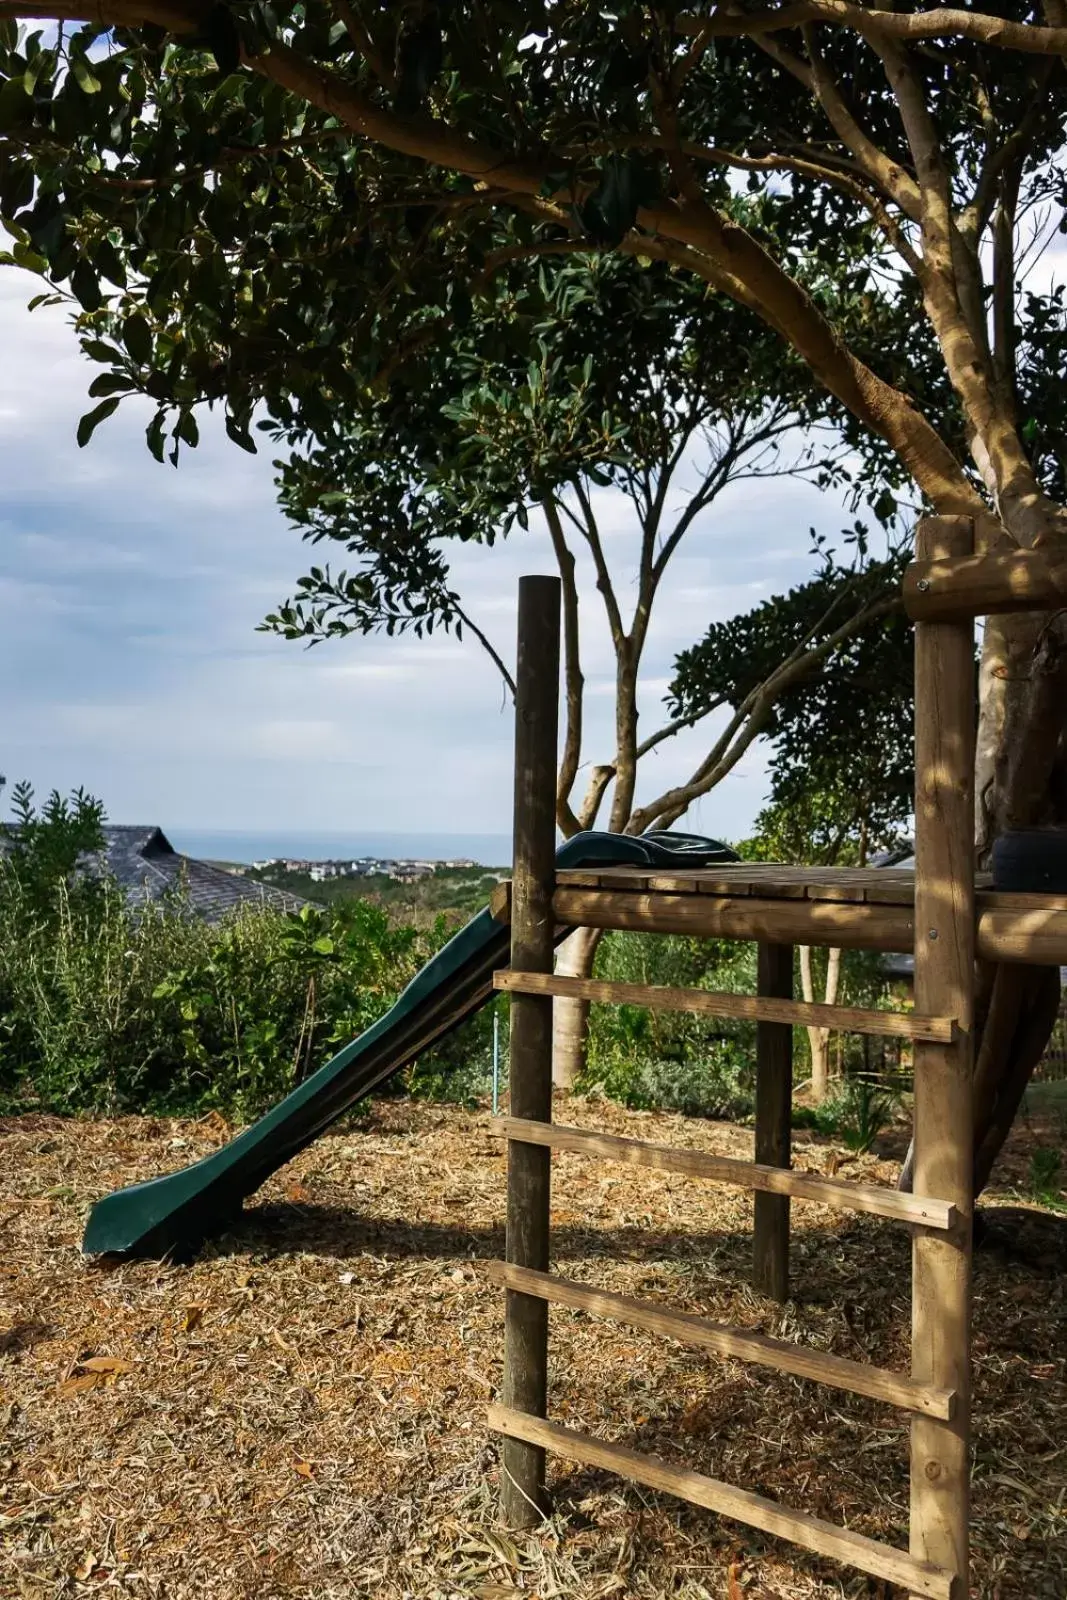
x,y
819,1038
570,1025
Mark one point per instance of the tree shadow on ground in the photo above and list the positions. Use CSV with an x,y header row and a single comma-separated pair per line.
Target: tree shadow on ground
x,y
1036,1240
819,1276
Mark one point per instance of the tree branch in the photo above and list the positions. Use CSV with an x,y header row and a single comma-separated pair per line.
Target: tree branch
x,y
890,177
591,534
363,40
573,679
488,647
942,22
753,715
679,725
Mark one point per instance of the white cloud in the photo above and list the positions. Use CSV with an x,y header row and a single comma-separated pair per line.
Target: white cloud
x,y
130,594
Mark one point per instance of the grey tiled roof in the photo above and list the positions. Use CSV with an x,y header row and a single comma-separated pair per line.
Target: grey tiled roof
x,y
145,863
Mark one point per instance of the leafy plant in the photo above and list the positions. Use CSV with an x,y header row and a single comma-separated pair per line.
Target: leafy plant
x,y
106,1009
1047,1175
863,1108
701,1066
51,845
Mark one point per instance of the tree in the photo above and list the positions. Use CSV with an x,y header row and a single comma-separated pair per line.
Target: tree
x,y
535,406
842,776
221,181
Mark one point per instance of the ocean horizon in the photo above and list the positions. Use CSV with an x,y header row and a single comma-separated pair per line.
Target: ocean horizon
x,y
246,845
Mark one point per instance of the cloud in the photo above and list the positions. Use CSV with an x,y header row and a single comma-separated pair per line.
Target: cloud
x,y
130,596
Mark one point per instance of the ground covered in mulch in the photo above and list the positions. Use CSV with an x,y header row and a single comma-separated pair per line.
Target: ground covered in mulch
x,y
300,1412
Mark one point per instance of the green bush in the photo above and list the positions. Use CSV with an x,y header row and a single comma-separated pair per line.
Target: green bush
x,y
1047,1175
702,1066
108,1009
861,1110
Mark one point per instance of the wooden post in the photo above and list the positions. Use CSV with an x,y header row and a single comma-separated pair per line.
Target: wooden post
x,y
774,1106
944,981
525,1379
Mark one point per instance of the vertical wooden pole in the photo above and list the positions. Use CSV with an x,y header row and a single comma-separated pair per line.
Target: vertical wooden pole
x,y
774,1106
944,984
525,1380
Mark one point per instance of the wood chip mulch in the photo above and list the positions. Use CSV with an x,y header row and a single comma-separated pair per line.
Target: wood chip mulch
x,y
300,1412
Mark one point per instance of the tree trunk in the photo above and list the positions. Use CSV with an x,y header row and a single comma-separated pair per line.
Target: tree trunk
x,y
819,1038
1020,782
570,1026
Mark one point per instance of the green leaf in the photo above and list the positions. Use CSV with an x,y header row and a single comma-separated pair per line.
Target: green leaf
x,y
84,76
110,383
109,263
187,430
154,435
98,350
15,104
16,187
92,420
86,285
137,337
240,435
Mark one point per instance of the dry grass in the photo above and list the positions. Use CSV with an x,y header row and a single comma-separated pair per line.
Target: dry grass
x,y
300,1412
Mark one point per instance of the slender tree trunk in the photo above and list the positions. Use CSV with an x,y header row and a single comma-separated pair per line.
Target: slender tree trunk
x,y
570,1027
819,1038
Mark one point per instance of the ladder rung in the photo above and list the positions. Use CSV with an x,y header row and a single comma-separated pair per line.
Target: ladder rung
x,y
892,1388
919,1210
825,1538
746,1007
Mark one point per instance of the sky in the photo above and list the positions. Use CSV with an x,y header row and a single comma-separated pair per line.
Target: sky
x,y
130,594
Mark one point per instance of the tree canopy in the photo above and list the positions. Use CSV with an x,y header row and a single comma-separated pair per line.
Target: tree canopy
x,y
538,396
262,205
842,767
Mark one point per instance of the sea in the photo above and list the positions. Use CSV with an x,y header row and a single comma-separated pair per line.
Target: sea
x,y
222,844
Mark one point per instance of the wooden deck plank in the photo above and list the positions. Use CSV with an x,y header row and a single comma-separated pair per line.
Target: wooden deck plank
x,y
812,1533
872,1199
737,1344
762,880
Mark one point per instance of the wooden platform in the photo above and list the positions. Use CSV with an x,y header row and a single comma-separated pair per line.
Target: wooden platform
x,y
763,880
862,908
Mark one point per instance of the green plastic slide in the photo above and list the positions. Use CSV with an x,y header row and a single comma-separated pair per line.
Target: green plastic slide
x,y
172,1215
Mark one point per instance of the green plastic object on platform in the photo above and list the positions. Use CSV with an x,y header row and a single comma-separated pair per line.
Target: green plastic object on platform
x,y
174,1214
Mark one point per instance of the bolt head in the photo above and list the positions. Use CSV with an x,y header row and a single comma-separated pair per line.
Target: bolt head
x,y
923,584
933,933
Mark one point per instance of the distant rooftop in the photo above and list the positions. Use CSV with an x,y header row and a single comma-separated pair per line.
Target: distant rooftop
x,y
146,865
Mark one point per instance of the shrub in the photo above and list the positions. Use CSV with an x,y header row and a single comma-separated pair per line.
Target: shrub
x,y
159,1011
1046,1175
702,1066
108,1009
862,1109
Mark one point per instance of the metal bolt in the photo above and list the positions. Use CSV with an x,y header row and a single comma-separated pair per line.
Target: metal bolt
x,y
923,584
933,933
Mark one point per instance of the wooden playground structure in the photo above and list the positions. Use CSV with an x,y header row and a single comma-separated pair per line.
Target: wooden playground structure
x,y
940,912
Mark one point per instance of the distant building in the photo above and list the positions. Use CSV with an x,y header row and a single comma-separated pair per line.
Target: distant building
x,y
147,866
